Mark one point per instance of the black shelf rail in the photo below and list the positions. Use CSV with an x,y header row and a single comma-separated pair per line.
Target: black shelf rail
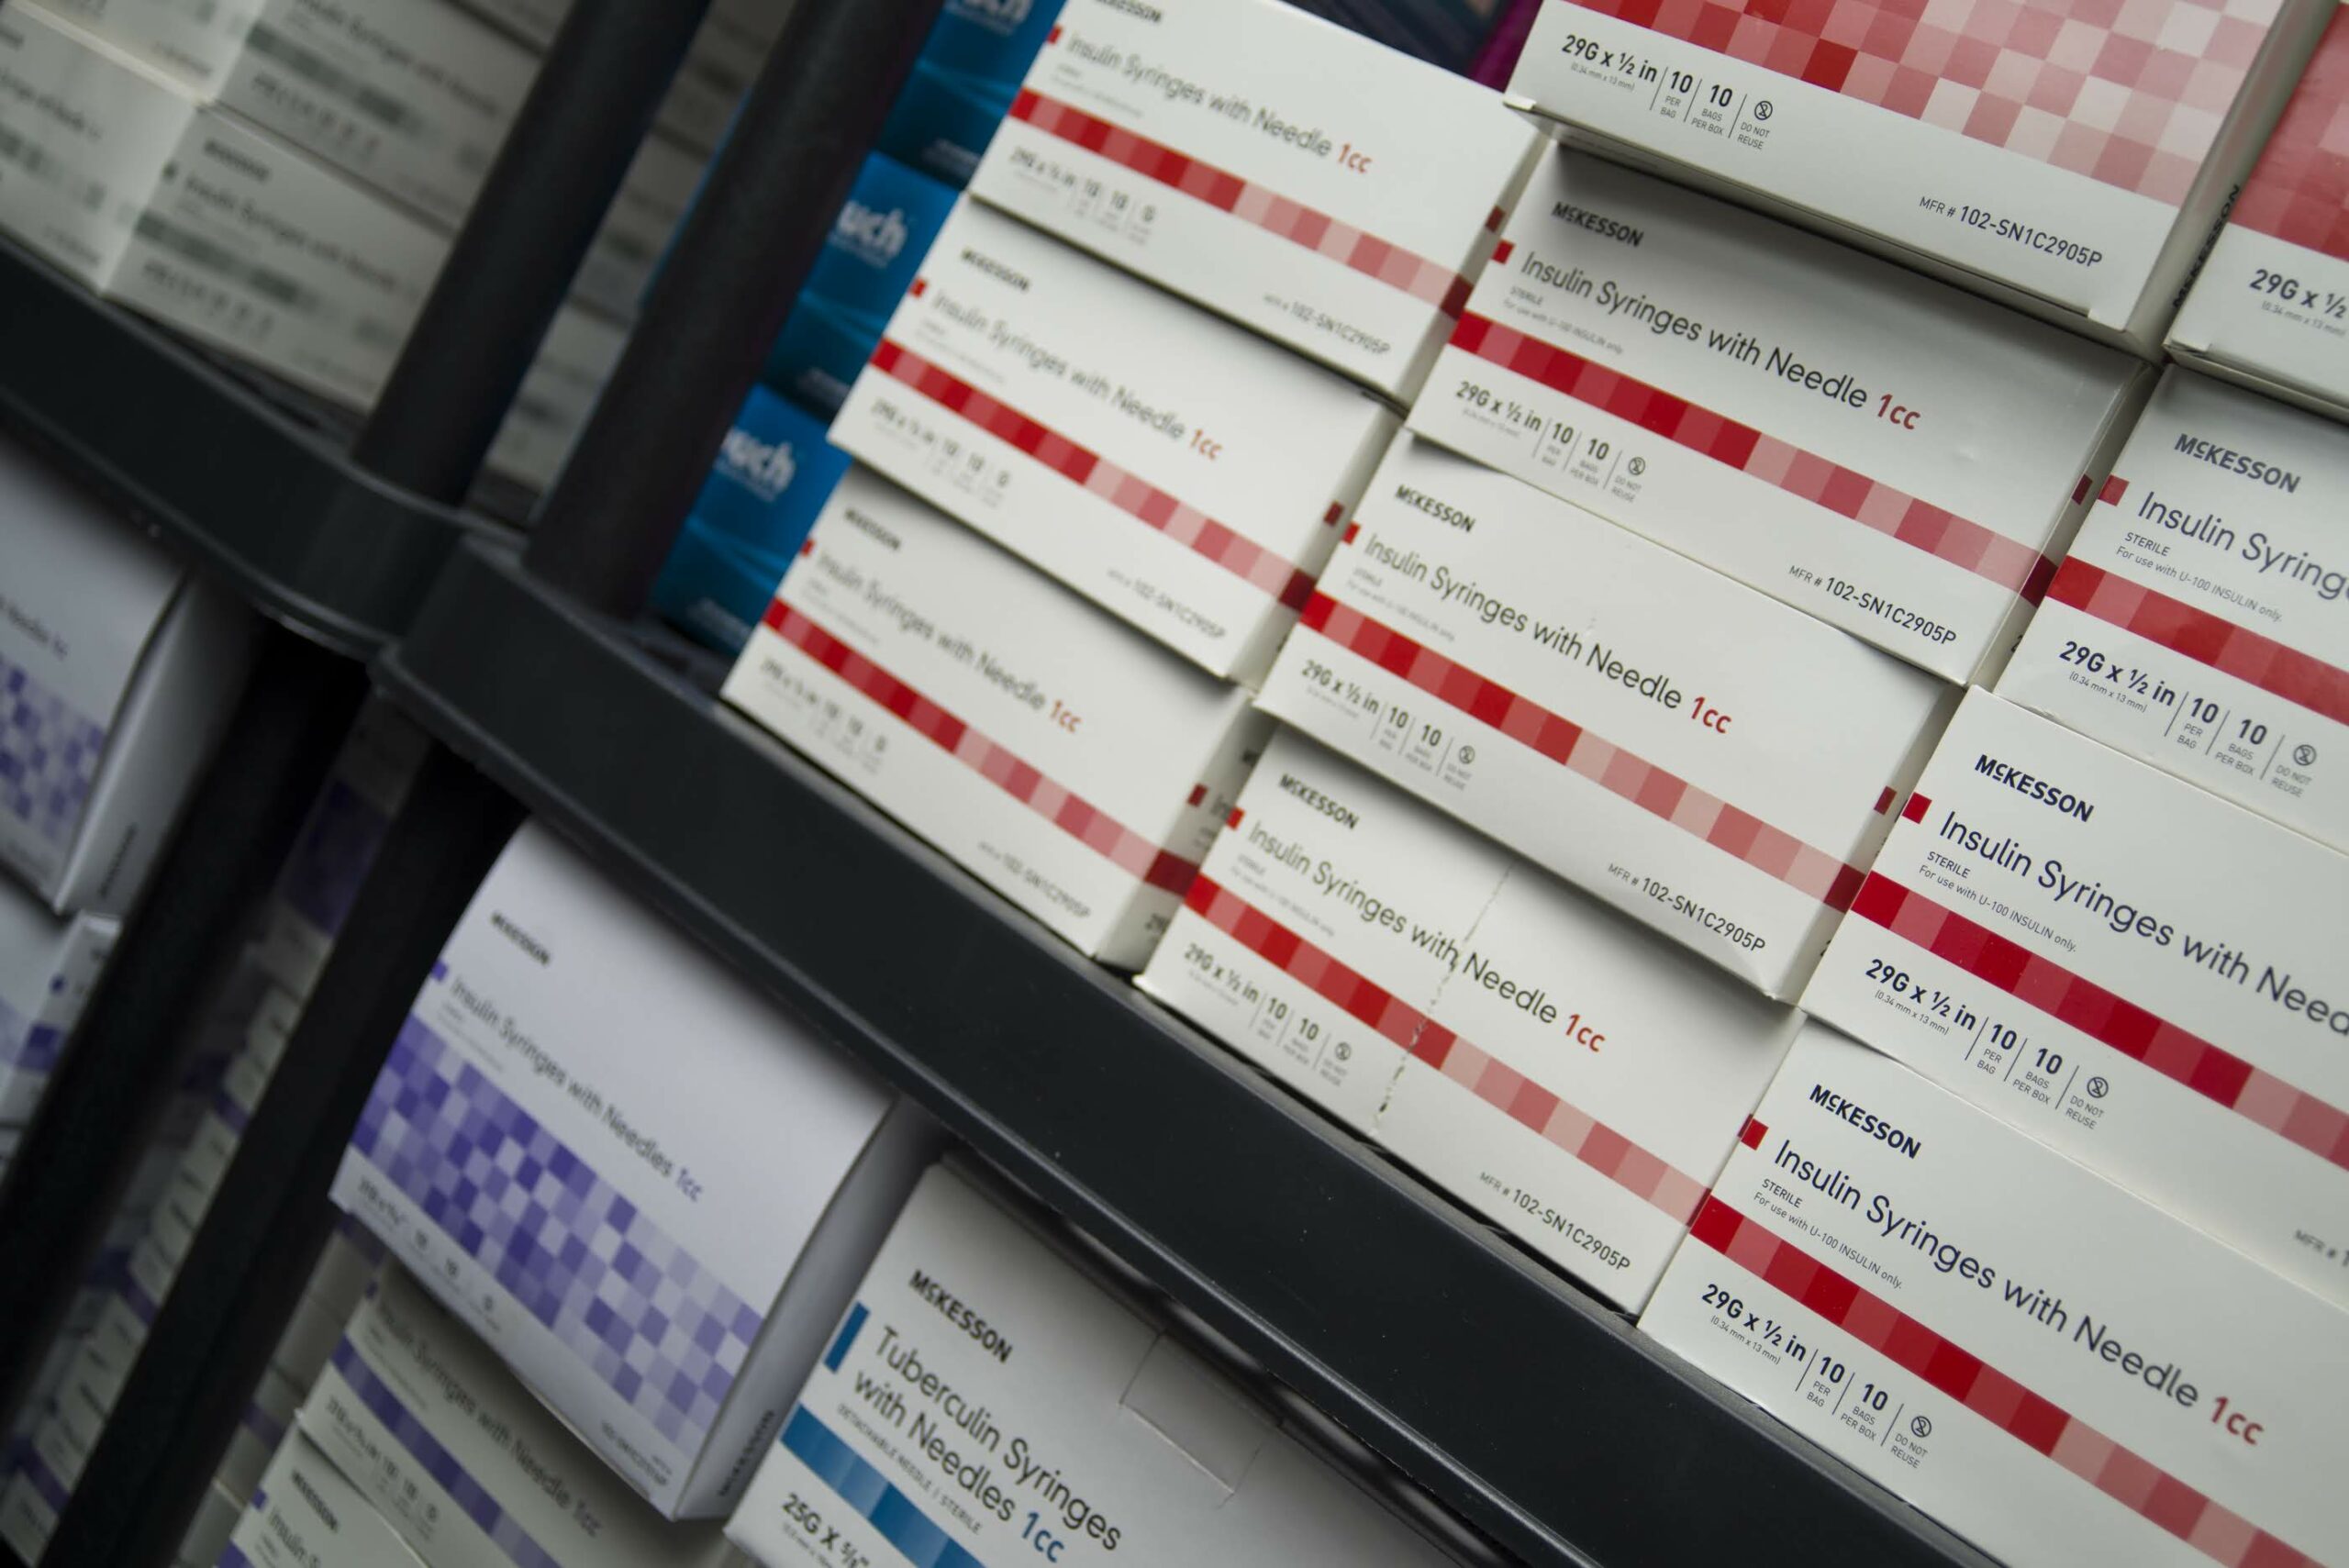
x,y
1525,1405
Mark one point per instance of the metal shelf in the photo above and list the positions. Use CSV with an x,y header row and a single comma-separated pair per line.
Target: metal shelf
x,y
1533,1410
249,489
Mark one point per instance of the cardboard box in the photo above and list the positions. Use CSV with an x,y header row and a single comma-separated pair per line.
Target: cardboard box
x,y
656,1240
986,1401
1706,760
2137,972
1321,188
306,1515
2049,1366
1187,475
1571,1078
651,202
723,60
2064,162
48,969
184,212
459,1457
552,405
2197,624
970,68
773,474
119,671
1890,455
412,96
215,1522
1063,758
876,246
2270,308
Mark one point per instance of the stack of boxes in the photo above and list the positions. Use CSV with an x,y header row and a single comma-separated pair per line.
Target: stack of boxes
x,y
1637,700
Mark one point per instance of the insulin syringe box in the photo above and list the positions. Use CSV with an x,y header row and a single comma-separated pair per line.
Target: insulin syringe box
x,y
1705,758
1329,191
2270,308
465,1461
2042,1360
2140,974
128,183
656,1240
2198,623
1180,472
1892,456
413,98
119,669
306,1514
1066,760
987,1401
1572,1078
49,965
2071,164
575,359
652,200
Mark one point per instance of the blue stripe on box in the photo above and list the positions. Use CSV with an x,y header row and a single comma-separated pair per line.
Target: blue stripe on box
x,y
232,1556
847,1337
469,1494
867,1491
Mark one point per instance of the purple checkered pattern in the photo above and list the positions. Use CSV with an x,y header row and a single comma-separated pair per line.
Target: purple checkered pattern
x,y
31,1046
383,1403
49,755
338,844
663,1331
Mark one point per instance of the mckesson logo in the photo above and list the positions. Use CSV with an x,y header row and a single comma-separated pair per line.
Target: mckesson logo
x,y
2039,789
1438,510
1134,8
765,468
310,1496
521,938
243,164
995,269
955,1311
874,236
1292,784
1599,224
2233,462
996,16
863,524
1868,1121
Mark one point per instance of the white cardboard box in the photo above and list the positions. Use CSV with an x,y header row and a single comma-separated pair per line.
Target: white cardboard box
x,y
2197,624
1570,1077
2143,975
724,59
2270,308
656,1241
412,96
2063,161
465,1461
122,178
48,969
306,1515
2051,1367
1895,457
556,398
651,202
1182,472
1703,758
1323,189
119,671
1068,761
985,1402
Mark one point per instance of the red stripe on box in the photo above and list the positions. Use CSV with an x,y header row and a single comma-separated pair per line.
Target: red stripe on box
x,y
1612,768
2125,1476
1431,282
2299,678
1645,1175
1079,819
1753,1134
1137,497
2114,488
1847,492
1918,806
2208,1069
